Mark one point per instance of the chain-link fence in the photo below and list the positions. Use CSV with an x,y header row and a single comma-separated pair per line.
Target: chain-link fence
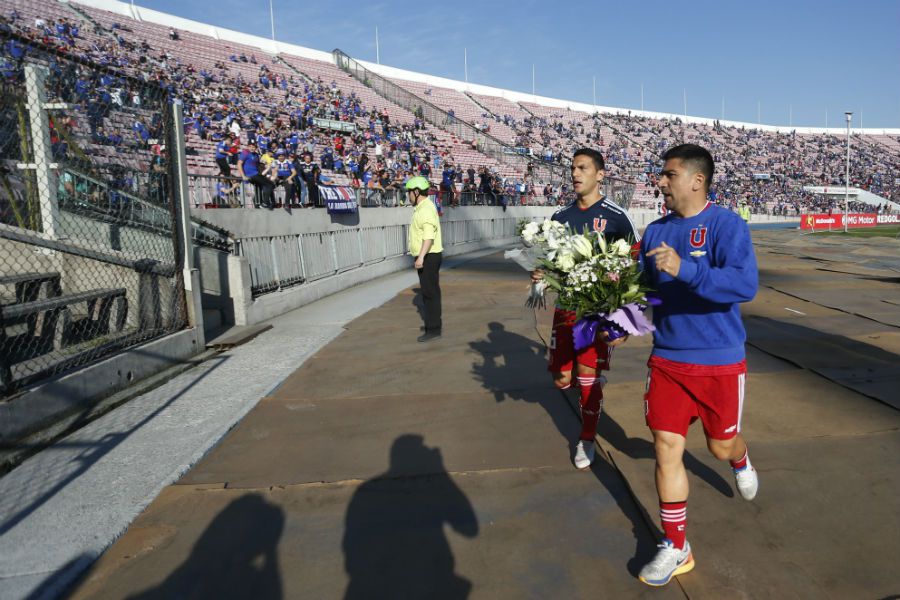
x,y
89,257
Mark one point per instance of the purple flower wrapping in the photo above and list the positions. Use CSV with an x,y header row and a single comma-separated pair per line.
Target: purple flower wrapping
x,y
628,320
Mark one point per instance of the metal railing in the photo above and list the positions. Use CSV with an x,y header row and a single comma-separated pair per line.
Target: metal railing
x,y
215,191
483,141
282,261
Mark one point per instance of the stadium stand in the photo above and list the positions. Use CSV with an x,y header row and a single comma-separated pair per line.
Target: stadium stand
x,y
361,138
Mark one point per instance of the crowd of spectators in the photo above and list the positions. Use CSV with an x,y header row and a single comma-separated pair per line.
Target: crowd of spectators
x,y
294,132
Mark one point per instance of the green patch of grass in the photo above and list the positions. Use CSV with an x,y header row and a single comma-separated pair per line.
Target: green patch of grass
x,y
868,232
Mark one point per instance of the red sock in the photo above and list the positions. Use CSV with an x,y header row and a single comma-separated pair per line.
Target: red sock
x,y
740,463
674,521
591,405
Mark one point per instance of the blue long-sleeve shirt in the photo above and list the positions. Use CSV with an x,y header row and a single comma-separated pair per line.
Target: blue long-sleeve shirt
x,y
699,320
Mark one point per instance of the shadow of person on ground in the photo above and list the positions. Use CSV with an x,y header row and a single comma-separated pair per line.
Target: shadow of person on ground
x,y
394,542
234,558
514,367
639,448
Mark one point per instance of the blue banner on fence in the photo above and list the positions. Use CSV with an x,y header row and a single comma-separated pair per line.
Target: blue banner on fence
x,y
338,199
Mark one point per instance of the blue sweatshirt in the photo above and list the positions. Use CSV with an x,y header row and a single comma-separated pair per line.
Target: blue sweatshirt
x,y
699,321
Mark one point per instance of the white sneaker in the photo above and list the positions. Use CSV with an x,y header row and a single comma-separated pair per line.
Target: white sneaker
x,y
747,481
584,454
668,562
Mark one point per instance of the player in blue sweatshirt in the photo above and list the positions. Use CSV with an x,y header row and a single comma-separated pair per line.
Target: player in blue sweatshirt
x,y
700,259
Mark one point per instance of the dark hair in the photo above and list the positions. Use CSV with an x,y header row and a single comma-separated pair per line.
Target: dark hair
x,y
696,156
594,155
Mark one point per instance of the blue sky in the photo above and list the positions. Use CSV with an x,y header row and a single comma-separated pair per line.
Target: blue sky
x,y
766,57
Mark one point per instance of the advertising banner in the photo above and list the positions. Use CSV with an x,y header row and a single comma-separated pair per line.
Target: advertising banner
x,y
836,221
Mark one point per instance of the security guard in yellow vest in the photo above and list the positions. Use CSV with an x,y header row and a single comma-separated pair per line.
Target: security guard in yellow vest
x,y
744,211
425,245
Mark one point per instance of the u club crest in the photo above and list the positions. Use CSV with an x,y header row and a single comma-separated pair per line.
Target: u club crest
x,y
698,240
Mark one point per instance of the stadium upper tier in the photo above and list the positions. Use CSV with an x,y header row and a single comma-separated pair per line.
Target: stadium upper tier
x,y
235,77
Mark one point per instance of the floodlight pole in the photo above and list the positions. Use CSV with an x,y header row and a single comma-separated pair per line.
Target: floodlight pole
x,y
272,18
847,174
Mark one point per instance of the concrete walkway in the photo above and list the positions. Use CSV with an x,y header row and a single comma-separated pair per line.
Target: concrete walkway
x,y
381,468
386,468
63,507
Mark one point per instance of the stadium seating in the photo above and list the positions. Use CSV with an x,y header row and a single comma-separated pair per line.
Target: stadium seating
x,y
765,168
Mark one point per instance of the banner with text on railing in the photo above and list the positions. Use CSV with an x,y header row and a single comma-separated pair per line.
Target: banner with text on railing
x,y
836,220
339,199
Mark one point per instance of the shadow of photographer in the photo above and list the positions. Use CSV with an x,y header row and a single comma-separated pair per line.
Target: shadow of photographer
x,y
394,541
234,558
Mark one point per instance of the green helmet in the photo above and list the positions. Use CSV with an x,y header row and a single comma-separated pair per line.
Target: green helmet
x,y
418,183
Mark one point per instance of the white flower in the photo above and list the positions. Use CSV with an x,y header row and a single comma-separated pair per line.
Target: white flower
x,y
529,232
553,243
582,246
621,248
565,260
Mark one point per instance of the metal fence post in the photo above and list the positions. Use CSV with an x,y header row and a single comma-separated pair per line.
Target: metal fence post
x,y
274,256
300,253
41,156
182,211
334,254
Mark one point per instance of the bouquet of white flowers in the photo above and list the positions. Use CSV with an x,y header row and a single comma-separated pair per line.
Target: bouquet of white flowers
x,y
601,282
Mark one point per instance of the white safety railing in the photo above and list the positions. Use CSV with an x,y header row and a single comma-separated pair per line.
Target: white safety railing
x,y
281,261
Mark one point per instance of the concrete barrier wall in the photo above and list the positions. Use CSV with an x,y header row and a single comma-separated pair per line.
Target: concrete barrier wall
x,y
226,280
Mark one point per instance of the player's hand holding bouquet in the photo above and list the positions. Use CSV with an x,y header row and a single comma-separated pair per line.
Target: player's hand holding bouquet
x,y
546,248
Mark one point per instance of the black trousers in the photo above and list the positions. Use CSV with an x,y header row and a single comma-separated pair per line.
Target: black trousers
x,y
430,284
224,167
265,189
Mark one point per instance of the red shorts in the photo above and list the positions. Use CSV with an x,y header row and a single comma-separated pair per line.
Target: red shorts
x,y
562,347
680,393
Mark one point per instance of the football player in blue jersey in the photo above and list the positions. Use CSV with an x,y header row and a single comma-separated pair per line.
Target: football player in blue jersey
x,y
590,212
